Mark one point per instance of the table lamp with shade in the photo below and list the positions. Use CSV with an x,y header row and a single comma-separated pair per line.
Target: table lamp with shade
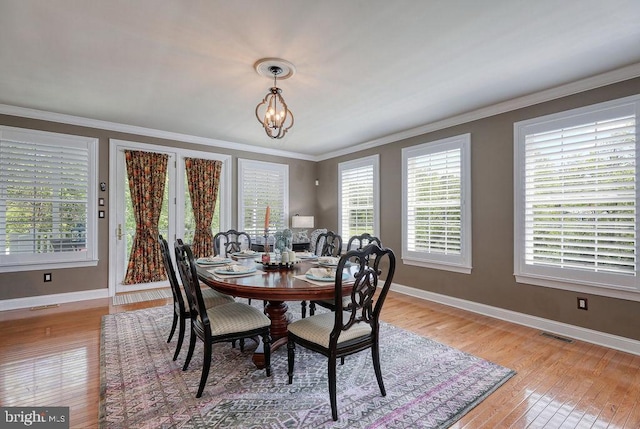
x,y
303,223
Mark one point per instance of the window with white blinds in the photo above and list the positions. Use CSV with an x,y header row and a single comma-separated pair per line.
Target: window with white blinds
x,y
576,196
261,185
47,200
358,190
436,204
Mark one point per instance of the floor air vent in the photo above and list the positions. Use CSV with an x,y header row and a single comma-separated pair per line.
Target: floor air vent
x,y
557,337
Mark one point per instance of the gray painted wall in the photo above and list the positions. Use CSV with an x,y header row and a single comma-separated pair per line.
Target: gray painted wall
x,y
491,281
302,196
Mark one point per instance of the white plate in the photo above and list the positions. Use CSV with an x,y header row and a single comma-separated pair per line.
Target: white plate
x,y
207,261
245,255
227,272
326,279
327,264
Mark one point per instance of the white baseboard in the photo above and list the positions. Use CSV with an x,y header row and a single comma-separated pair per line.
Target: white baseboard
x,y
595,337
59,298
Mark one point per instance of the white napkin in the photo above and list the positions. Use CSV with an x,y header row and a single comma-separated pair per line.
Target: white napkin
x,y
213,259
322,273
236,268
329,260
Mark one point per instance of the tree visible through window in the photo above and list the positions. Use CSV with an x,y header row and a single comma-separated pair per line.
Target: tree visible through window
x,y
262,184
358,192
436,204
577,209
46,198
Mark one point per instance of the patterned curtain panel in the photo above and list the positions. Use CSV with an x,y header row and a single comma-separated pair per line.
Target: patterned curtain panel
x,y
147,172
203,177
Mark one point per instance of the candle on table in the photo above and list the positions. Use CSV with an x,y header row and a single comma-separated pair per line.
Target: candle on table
x,y
266,218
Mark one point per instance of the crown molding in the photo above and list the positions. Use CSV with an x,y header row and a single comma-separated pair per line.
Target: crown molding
x,y
615,76
24,112
608,78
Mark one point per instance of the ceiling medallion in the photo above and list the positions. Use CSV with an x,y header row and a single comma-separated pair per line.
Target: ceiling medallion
x,y
272,112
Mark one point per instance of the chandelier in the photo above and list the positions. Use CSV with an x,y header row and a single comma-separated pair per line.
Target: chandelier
x,y
272,112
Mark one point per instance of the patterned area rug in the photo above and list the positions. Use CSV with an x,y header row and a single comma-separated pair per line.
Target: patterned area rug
x,y
429,385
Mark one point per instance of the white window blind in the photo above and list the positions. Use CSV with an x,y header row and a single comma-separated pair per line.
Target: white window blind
x,y
262,184
46,198
578,214
436,216
358,197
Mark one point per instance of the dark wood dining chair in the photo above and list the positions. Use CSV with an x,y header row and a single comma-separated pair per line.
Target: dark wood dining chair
x,y
362,240
356,242
327,244
223,323
180,304
231,241
341,333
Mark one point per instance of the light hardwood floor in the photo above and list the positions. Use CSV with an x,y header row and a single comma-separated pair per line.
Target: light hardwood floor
x,y
51,357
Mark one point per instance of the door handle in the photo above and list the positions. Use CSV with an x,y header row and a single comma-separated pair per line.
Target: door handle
x,y
119,232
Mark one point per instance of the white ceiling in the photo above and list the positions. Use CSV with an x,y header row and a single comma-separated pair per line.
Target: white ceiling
x,y
366,70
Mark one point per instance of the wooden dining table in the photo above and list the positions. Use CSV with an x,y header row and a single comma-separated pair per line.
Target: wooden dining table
x,y
276,287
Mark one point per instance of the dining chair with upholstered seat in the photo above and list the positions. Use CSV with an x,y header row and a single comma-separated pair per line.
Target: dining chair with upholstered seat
x,y
356,242
231,241
223,323
362,240
338,334
180,304
327,244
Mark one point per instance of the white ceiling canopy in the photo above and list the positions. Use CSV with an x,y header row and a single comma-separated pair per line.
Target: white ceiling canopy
x,y
366,70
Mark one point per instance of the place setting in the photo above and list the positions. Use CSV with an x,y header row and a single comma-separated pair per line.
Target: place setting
x,y
245,254
306,256
213,261
322,275
232,270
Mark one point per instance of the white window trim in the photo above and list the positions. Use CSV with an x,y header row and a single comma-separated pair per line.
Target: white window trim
x,y
374,161
592,283
461,263
86,258
262,165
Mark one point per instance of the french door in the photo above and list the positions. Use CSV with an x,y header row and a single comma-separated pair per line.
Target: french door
x,y
176,218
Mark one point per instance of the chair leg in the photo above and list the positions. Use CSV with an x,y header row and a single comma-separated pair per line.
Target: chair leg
x,y
375,356
266,341
180,339
192,346
291,353
205,367
173,326
332,387
303,308
312,308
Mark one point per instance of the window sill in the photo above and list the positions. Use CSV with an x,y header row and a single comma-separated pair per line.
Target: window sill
x,y
437,265
592,289
47,266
